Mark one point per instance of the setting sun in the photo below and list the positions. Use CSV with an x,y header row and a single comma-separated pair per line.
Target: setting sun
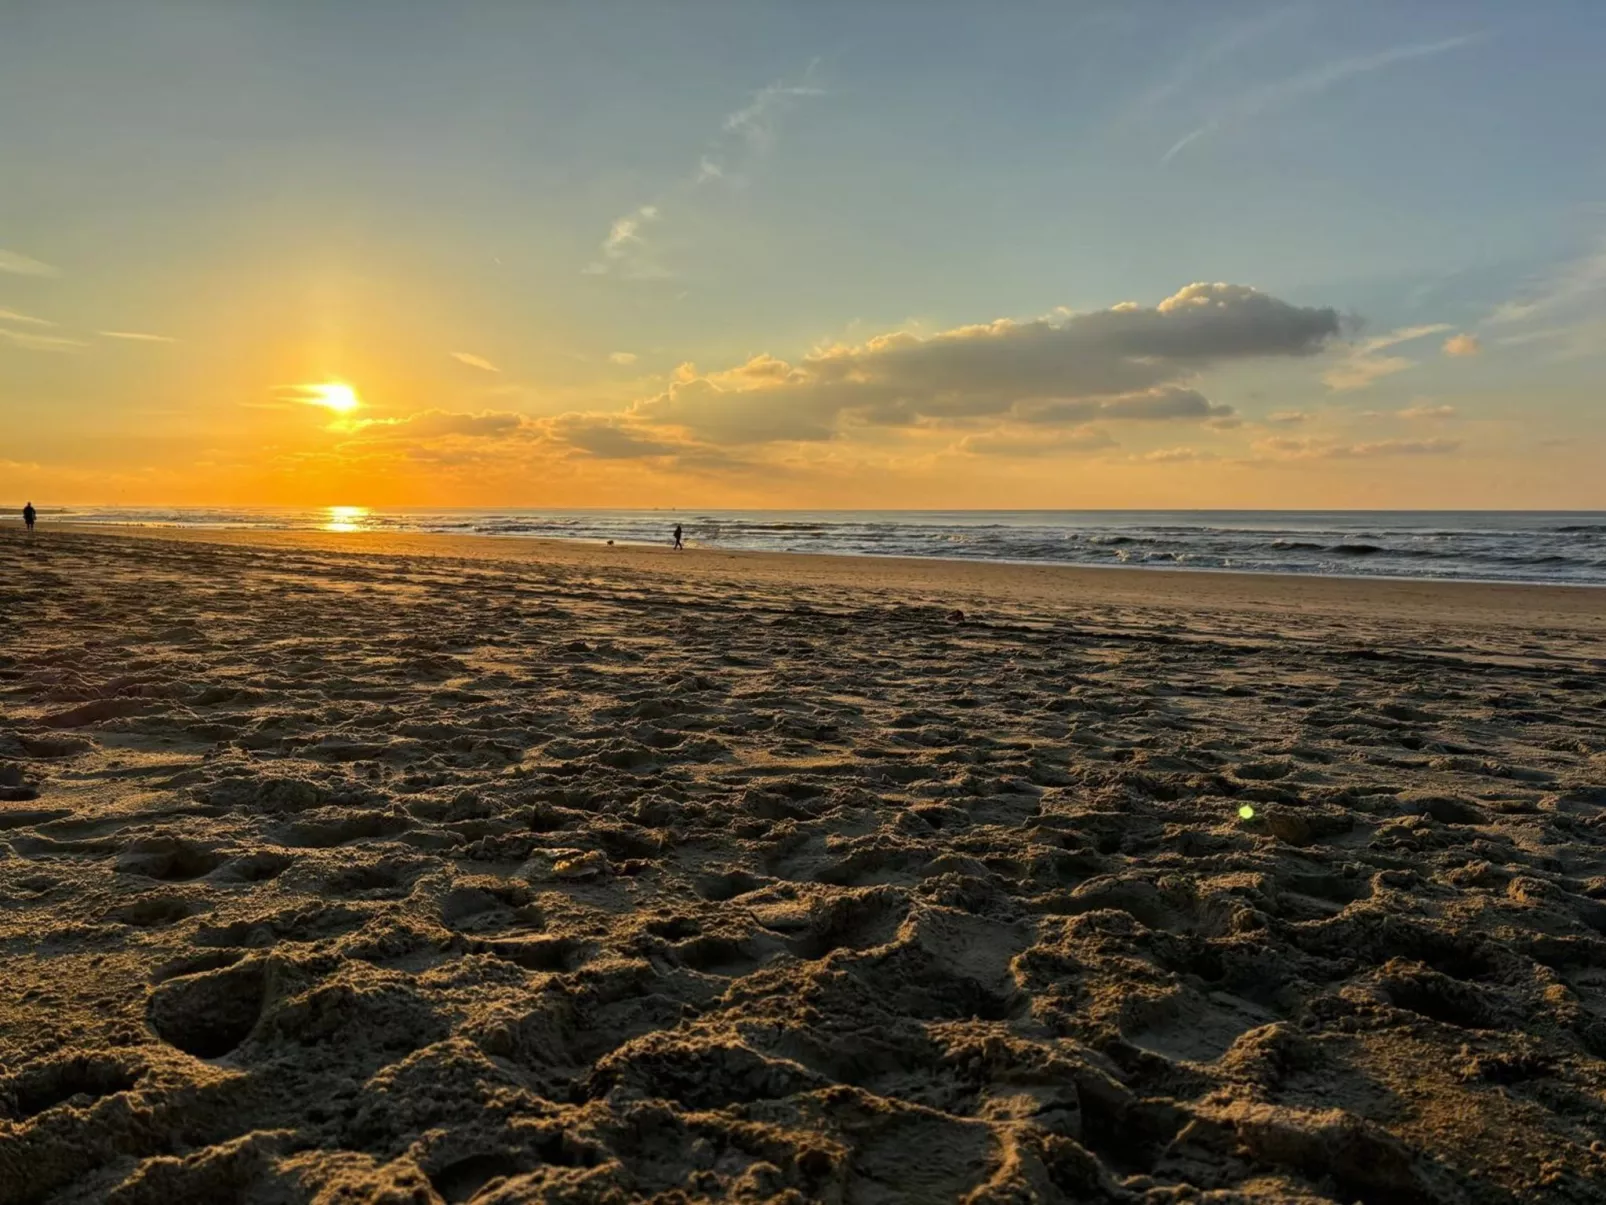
x,y
340,398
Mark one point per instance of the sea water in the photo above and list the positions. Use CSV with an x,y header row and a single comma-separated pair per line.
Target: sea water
x,y
1515,546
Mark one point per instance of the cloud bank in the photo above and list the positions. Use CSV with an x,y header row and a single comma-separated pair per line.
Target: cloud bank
x,y
1061,386
1127,363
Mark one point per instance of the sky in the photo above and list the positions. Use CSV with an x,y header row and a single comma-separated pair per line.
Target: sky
x,y
1091,253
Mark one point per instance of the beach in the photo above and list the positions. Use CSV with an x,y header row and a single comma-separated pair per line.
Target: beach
x,y
384,868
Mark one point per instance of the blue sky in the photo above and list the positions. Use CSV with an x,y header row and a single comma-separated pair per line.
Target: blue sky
x,y
513,229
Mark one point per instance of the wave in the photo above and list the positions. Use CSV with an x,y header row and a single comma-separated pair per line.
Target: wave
x,y
1554,547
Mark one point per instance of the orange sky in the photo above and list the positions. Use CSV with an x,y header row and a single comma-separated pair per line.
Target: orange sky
x,y
558,266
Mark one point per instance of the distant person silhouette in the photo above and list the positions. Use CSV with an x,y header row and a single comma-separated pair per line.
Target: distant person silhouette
x,y
679,545
29,514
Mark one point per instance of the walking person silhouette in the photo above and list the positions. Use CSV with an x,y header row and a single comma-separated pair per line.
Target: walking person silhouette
x,y
29,514
679,546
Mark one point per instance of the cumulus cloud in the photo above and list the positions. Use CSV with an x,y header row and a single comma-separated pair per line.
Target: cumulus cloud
x,y
473,361
607,437
1130,362
1462,345
24,265
622,357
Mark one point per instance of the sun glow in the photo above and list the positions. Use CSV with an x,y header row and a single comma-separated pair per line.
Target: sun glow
x,y
337,396
345,518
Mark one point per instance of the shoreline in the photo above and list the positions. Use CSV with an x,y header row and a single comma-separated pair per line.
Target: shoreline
x,y
1028,584
694,546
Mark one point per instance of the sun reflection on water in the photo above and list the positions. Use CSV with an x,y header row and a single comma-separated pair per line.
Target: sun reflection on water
x,y
344,518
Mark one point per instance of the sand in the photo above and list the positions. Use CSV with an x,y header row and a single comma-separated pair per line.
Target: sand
x,y
409,869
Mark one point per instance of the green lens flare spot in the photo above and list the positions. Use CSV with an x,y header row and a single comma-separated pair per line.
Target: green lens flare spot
x,y
1246,812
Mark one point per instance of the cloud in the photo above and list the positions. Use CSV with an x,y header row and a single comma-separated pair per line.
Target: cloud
x,y
1577,286
1234,39
1309,83
1362,371
1462,345
1176,456
1365,367
626,246
1155,405
473,361
745,136
136,337
1288,418
15,318
622,357
1129,362
23,265
1405,334
755,122
608,437
439,424
1018,442
33,341
1423,410
1283,448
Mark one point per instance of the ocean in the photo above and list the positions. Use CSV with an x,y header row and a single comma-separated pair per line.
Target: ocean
x,y
1507,546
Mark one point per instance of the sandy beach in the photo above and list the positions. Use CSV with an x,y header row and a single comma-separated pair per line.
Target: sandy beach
x,y
348,868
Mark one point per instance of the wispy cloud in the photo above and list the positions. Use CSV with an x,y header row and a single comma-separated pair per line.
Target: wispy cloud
x,y
755,122
1423,410
34,341
1405,334
1308,83
1312,449
622,357
745,136
1462,345
1362,371
1229,42
16,319
1571,299
1176,456
1364,366
1025,442
137,336
25,265
473,361
626,247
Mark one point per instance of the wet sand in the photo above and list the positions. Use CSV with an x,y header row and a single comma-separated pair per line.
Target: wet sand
x,y
355,868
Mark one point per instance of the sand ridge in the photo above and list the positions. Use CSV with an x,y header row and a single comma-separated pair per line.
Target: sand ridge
x,y
439,873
